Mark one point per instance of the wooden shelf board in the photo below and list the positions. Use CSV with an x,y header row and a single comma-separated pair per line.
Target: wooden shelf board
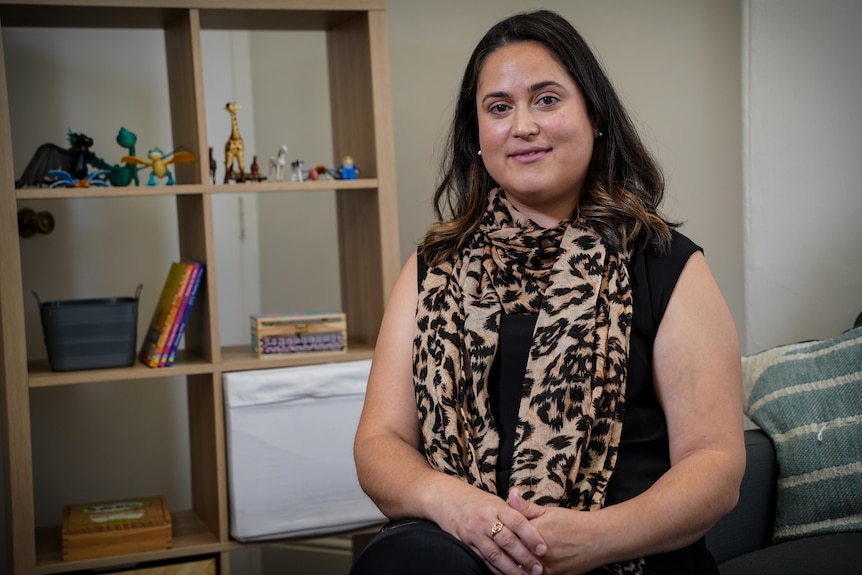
x,y
232,15
320,185
234,358
190,538
240,358
274,19
83,16
107,192
186,364
191,189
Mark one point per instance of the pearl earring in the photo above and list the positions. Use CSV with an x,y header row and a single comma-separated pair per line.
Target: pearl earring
x,y
480,152
598,133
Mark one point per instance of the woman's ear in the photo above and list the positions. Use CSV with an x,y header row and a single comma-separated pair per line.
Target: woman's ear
x,y
596,131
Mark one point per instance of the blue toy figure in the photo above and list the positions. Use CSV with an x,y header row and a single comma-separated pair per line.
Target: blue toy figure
x,y
64,179
348,170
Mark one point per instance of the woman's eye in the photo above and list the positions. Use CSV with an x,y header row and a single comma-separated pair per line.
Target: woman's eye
x,y
548,100
499,108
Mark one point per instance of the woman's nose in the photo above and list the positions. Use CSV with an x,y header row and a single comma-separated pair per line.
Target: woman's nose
x,y
525,124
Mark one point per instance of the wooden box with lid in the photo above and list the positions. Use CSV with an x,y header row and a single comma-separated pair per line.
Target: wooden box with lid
x,y
107,528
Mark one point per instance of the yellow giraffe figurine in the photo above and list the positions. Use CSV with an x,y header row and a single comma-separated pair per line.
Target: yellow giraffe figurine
x,y
234,147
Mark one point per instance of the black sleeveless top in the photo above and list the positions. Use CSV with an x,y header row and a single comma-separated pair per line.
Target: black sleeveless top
x,y
644,452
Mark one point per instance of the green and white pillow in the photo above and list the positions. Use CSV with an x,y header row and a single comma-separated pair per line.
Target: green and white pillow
x,y
808,398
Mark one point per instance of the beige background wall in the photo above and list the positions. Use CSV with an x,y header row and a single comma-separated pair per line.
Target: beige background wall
x,y
803,146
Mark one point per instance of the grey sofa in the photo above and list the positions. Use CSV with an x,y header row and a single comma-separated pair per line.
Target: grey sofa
x,y
742,541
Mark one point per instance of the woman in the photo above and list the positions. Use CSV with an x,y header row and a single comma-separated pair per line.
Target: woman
x,y
574,368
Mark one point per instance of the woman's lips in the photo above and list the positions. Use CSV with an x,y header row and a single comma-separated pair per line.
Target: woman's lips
x,y
529,155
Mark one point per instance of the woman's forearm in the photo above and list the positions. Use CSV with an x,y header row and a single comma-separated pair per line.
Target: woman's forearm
x,y
390,472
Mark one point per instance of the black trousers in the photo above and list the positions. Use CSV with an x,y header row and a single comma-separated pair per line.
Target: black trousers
x,y
417,547
420,547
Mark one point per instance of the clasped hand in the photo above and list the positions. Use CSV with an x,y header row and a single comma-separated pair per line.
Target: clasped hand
x,y
516,542
502,535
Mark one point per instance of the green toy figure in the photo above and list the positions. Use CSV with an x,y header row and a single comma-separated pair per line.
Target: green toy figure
x,y
120,175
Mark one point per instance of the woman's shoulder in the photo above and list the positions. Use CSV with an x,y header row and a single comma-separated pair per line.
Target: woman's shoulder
x,y
682,243
655,274
673,258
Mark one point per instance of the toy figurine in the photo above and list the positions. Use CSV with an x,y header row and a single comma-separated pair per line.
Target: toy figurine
x,y
323,173
49,156
120,175
234,148
348,170
213,167
278,163
159,161
65,180
297,171
256,176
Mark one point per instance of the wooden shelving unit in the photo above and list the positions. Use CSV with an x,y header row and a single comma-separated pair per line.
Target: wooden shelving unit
x,y
366,218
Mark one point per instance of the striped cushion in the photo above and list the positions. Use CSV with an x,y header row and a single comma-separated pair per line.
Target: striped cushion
x,y
808,398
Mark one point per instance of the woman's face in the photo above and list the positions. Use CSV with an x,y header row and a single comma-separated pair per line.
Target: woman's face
x,y
534,131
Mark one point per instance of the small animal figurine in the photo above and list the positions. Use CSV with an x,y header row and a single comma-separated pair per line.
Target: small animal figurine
x,y
234,148
158,162
256,176
213,167
278,163
297,171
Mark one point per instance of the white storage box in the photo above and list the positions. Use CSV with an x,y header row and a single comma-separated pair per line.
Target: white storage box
x,y
290,451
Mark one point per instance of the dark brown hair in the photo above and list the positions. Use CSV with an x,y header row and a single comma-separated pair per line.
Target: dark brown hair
x,y
624,185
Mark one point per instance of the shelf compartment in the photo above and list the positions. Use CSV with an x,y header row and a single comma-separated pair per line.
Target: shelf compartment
x,y
190,538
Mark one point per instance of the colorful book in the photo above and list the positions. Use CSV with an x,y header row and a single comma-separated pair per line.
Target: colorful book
x,y
159,319
182,327
172,330
172,315
169,303
178,327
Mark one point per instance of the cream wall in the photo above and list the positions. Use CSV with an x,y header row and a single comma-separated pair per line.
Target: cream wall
x,y
803,200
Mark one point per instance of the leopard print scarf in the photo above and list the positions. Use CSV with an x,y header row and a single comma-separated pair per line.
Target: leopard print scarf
x,y
571,411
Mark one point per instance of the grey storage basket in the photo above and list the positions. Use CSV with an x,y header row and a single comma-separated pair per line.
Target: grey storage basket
x,y
90,333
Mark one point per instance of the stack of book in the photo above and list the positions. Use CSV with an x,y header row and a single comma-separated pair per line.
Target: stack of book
x,y
171,314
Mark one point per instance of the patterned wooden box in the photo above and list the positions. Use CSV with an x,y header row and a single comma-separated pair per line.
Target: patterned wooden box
x,y
275,334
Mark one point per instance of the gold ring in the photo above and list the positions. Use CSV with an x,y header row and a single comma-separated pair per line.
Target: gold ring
x,y
496,528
